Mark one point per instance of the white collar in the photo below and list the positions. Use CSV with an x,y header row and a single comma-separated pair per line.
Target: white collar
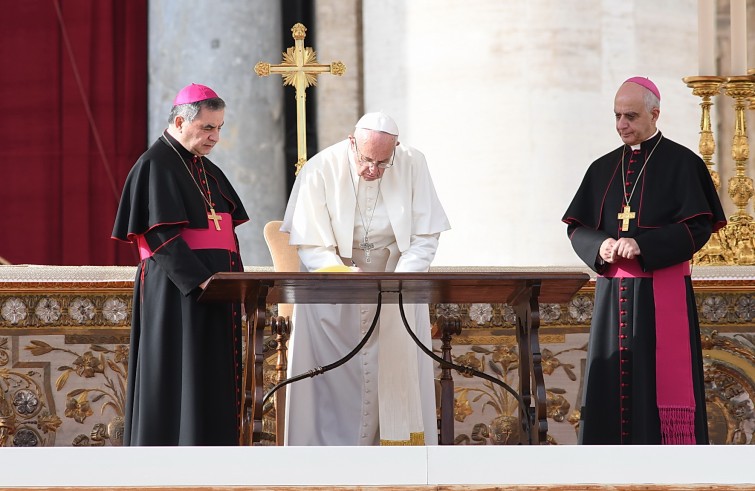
x,y
637,146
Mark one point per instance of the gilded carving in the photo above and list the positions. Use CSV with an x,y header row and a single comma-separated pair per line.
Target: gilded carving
x,y
481,313
13,310
502,427
34,310
730,386
26,419
580,308
115,310
110,368
48,310
713,308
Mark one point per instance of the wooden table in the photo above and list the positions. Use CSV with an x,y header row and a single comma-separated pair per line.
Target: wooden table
x,y
522,290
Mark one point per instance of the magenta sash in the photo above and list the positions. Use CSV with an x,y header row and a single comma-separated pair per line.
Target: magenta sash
x,y
673,358
200,238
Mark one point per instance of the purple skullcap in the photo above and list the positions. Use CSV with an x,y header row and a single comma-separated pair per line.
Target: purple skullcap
x,y
193,93
647,83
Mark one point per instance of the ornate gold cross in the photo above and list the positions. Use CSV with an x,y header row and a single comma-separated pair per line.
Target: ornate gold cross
x,y
625,216
300,69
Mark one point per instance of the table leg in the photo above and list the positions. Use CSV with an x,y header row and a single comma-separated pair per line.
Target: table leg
x,y
281,328
251,402
448,328
527,310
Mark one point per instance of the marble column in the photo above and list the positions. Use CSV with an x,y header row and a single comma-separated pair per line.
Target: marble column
x,y
339,99
217,44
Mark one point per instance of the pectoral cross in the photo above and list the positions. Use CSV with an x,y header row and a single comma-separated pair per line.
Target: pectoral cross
x,y
215,218
625,216
300,69
366,246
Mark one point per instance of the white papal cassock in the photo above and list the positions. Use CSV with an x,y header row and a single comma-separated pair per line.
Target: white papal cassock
x,y
352,405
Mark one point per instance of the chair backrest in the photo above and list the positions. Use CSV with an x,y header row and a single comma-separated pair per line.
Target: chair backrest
x,y
285,257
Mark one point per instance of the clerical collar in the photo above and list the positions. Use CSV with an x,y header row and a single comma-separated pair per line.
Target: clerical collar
x,y
639,145
177,145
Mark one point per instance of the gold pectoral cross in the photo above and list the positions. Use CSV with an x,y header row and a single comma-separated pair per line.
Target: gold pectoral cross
x,y
215,218
625,216
300,69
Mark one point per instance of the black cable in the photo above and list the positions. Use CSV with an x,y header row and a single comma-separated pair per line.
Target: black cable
x,y
320,370
527,425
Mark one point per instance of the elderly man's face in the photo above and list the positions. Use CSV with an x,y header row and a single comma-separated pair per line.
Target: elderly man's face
x,y
375,150
634,122
200,136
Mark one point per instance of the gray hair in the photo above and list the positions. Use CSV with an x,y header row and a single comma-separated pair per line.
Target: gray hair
x,y
651,100
190,110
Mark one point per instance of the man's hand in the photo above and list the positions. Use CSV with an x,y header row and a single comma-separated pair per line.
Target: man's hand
x,y
606,252
625,247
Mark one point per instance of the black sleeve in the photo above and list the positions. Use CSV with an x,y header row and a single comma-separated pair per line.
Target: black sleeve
x,y
586,243
174,256
673,244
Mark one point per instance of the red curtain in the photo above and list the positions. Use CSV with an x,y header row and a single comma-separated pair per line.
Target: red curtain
x,y
74,120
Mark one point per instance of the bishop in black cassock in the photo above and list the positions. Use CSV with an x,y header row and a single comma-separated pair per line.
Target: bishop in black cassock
x,y
637,219
184,380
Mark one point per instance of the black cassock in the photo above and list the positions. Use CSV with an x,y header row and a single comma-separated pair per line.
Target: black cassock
x,y
184,380
676,210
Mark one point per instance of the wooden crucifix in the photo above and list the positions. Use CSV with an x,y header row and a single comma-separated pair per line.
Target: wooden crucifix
x,y
300,69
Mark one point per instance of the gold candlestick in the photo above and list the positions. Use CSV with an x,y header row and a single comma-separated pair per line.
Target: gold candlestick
x,y
706,87
741,229
715,251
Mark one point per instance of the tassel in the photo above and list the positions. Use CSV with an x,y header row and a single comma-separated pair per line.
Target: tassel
x,y
677,425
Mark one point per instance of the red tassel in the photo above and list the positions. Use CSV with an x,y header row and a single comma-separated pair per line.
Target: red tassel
x,y
677,425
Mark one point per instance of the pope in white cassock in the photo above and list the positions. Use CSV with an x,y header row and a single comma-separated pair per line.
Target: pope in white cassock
x,y
367,202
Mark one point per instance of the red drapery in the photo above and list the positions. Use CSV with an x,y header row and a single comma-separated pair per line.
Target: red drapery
x,y
74,120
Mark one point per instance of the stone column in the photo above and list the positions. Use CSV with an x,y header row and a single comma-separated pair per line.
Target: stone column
x,y
217,44
339,99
